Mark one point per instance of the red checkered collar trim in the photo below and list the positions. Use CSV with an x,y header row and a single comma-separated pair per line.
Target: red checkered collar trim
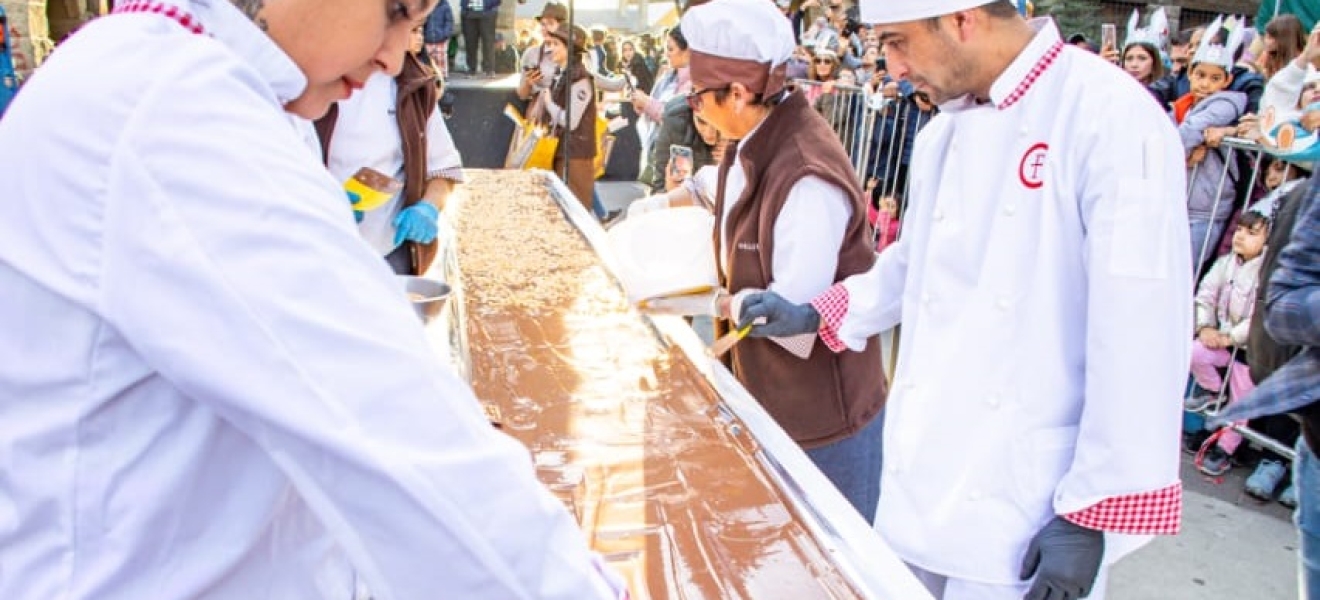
x,y
169,11
1028,67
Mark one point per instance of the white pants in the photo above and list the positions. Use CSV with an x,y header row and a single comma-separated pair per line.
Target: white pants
x,y
948,588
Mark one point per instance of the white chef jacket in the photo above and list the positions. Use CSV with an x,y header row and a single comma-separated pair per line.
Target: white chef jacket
x,y
1045,298
209,386
808,232
367,135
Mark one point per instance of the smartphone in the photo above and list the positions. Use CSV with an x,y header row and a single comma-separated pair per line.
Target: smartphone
x,y
1108,36
680,162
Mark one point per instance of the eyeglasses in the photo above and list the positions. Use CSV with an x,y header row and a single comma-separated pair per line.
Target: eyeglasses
x,y
694,97
824,61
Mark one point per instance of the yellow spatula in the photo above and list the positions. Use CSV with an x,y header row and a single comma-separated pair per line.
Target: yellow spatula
x,y
726,342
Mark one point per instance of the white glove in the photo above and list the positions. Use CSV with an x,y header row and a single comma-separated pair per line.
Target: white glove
x,y
648,204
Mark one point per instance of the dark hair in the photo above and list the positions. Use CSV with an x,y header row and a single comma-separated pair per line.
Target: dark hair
x,y
1250,219
676,34
1156,62
1001,10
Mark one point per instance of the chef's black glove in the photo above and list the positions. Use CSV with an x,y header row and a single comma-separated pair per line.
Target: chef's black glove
x,y
781,317
1065,558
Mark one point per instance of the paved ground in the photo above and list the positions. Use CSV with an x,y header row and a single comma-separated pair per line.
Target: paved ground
x,y
1232,547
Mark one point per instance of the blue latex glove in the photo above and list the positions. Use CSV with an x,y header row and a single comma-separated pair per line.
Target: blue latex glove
x,y
1065,558
353,199
417,223
782,318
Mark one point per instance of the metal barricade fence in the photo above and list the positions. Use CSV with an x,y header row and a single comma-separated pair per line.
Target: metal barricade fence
x,y
876,132
1234,184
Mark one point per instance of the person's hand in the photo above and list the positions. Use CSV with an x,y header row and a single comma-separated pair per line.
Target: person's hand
x,y
417,223
1248,125
353,199
1215,135
1065,559
1311,120
1225,340
639,100
827,87
529,79
648,204
1110,54
781,317
1209,338
1311,53
1197,155
890,90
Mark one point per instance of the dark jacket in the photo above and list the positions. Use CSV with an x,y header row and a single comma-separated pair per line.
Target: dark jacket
x,y
506,60
472,8
826,397
440,24
1266,354
581,141
676,129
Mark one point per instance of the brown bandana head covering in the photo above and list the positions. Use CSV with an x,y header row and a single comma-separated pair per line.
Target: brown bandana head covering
x,y
738,41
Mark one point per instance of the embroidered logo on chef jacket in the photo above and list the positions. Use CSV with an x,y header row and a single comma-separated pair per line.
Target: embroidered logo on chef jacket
x,y
582,95
1031,169
749,246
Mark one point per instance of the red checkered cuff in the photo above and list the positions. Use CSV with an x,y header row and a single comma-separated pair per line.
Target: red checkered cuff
x,y
832,304
1157,512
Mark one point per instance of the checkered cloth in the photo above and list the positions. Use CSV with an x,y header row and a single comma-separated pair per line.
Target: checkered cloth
x,y
1036,71
1149,513
832,304
179,15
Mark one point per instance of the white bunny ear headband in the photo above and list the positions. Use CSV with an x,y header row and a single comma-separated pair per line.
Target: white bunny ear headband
x,y
1221,53
1156,33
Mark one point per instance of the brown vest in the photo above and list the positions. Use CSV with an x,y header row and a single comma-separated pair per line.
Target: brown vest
x,y
416,100
828,396
581,142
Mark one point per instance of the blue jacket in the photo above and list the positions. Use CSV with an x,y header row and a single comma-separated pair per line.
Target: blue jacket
x,y
440,25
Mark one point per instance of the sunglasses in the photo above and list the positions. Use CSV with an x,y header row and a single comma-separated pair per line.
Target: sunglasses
x,y
824,61
694,100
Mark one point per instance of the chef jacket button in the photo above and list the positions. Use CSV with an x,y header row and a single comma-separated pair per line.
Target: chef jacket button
x,y
993,401
1010,210
1001,303
1022,132
939,215
925,298
974,495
